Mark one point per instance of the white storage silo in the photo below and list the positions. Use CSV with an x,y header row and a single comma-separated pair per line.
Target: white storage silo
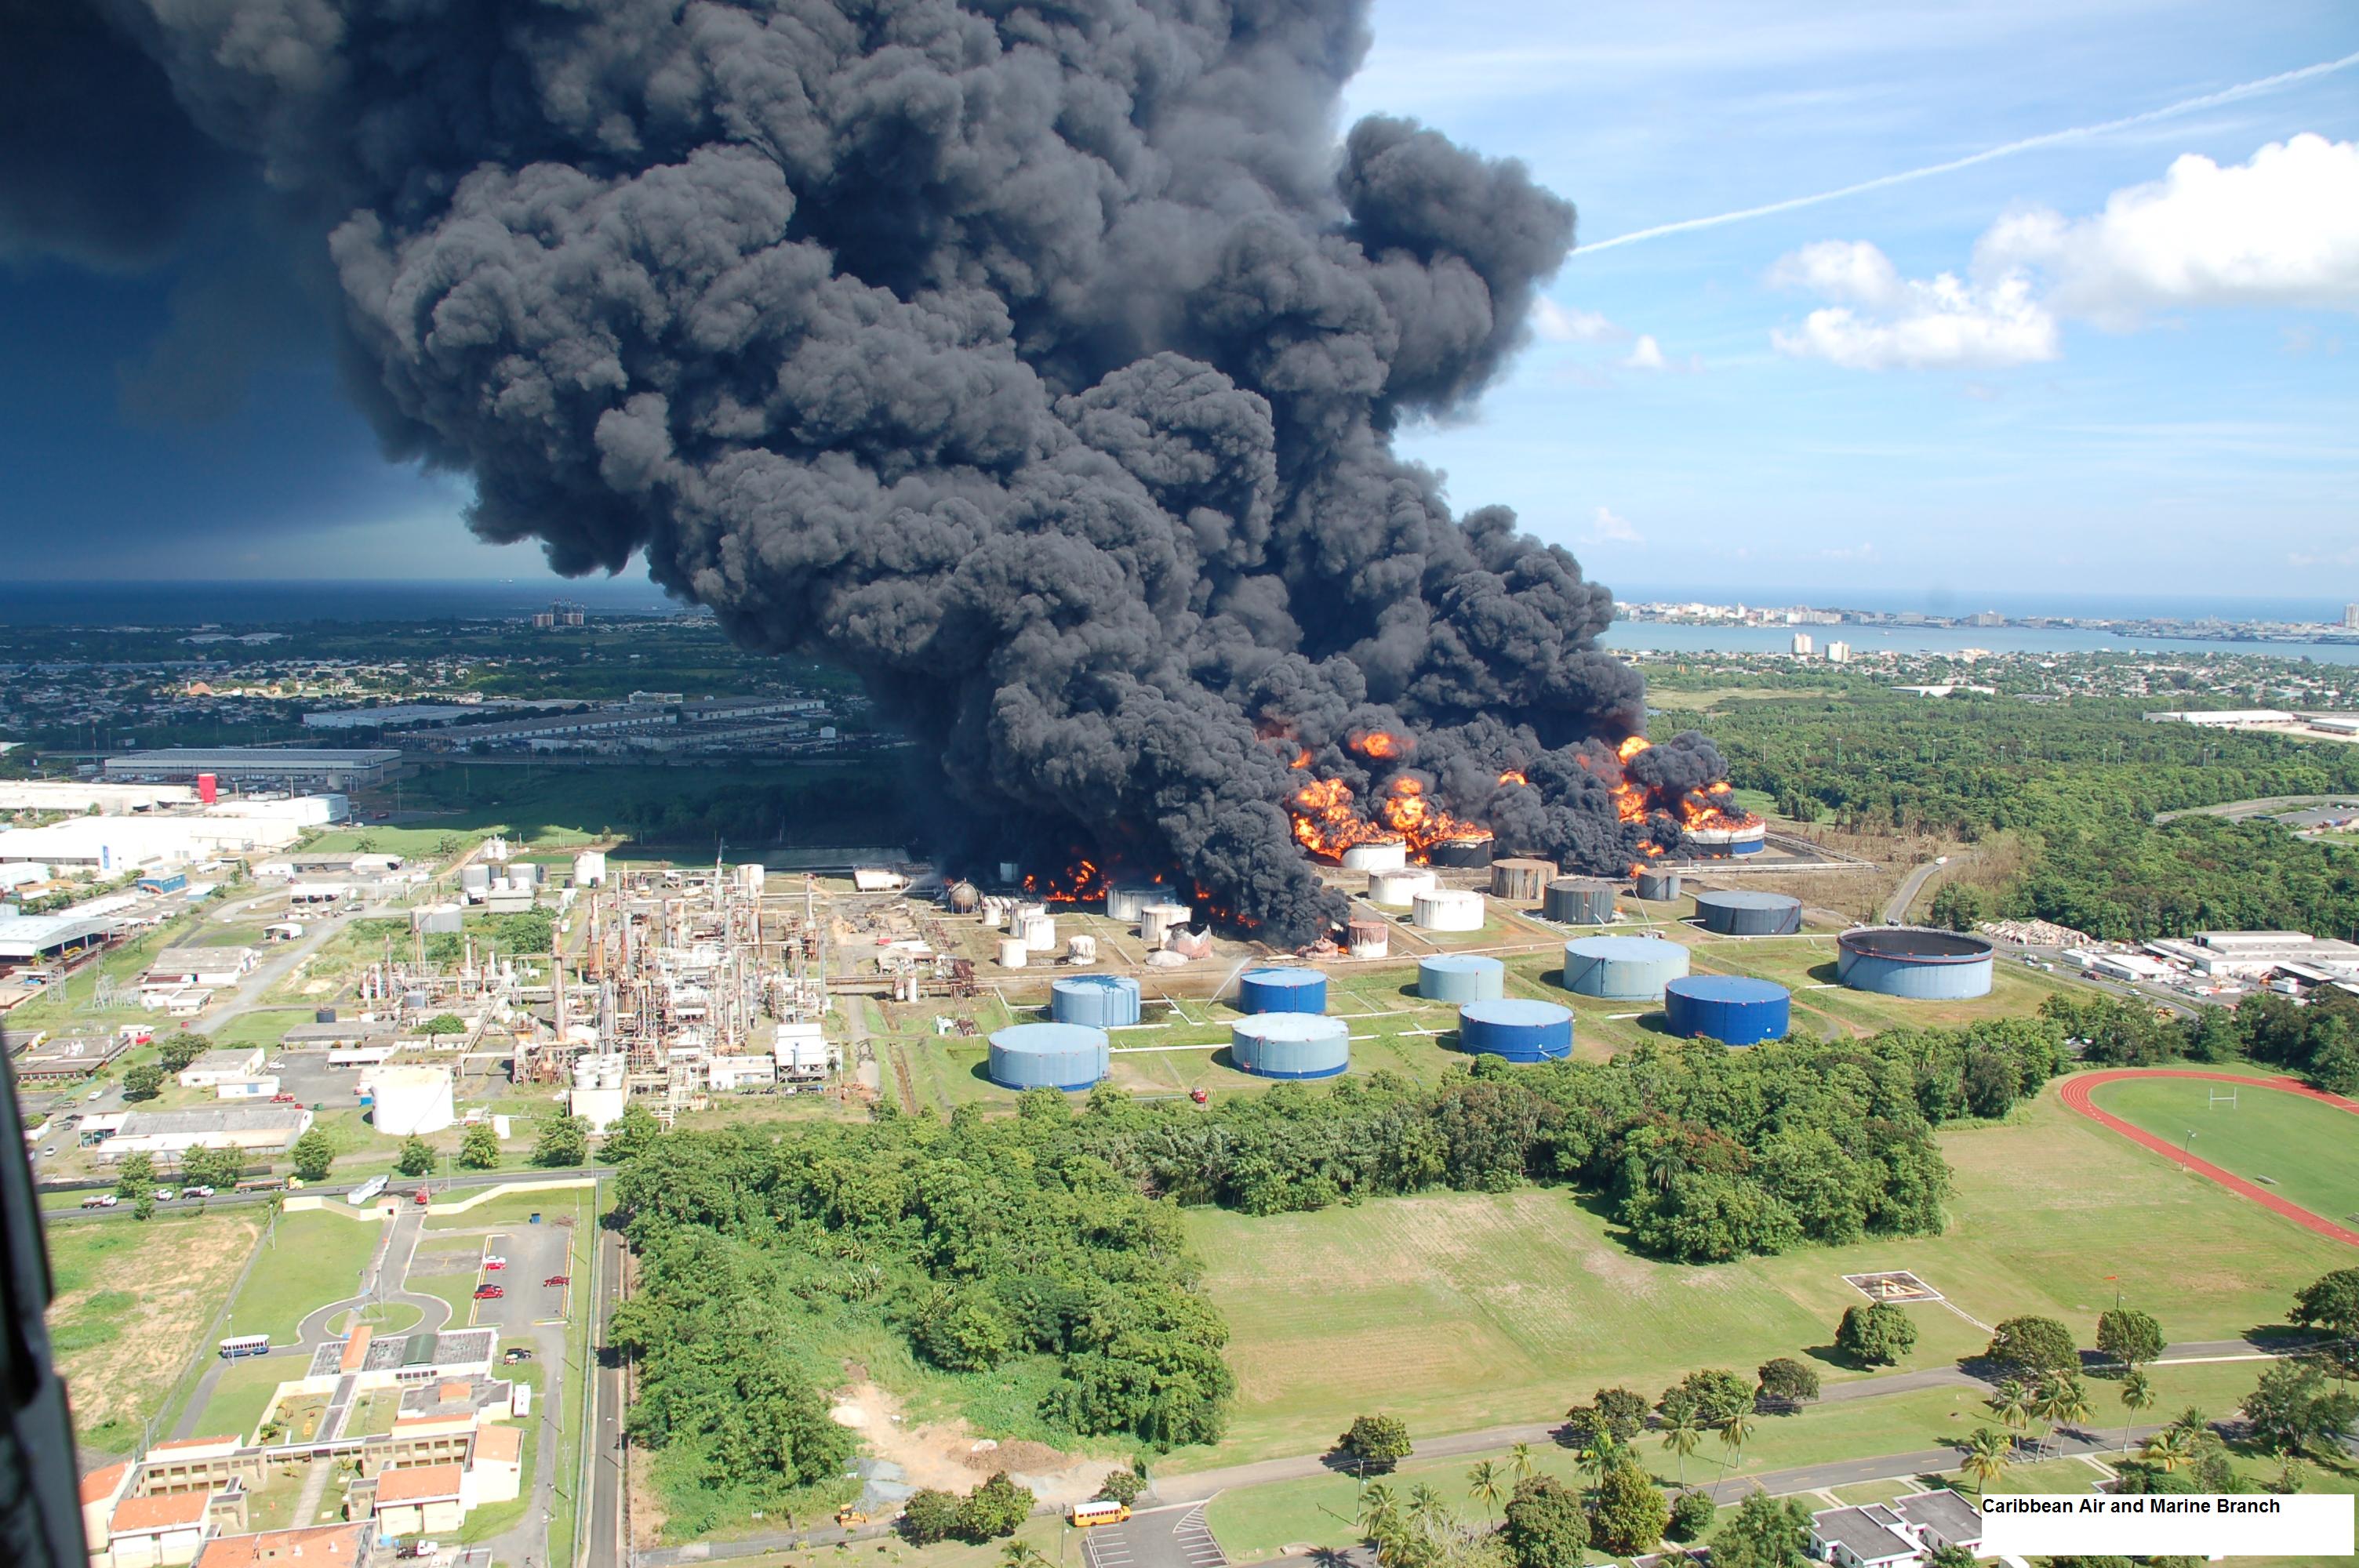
x,y
1039,933
1378,855
1012,953
412,1101
1397,889
590,868
1448,909
1158,920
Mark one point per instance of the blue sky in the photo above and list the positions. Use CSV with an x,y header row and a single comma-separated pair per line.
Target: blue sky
x,y
2096,363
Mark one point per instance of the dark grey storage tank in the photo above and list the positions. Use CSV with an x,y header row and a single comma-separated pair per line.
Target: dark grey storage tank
x,y
1657,884
1579,900
1750,914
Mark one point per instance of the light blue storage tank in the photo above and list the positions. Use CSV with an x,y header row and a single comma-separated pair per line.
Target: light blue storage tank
x,y
1461,978
1732,1009
1518,1030
1291,1045
1048,1055
1913,961
1101,1001
1623,969
1282,991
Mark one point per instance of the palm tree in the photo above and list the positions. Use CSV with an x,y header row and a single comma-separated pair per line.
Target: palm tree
x,y
2138,1394
1483,1484
1379,1514
1987,1456
2070,1405
1427,1511
1734,1434
1520,1460
1022,1555
2012,1400
2192,1422
2169,1448
1599,1455
1682,1438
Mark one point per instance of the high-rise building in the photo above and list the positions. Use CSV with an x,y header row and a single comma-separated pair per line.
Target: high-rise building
x,y
1837,652
1803,645
2351,616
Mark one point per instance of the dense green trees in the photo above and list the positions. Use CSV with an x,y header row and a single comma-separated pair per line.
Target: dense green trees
x,y
216,1168
1547,1525
1692,1515
2294,1408
1786,1384
2331,1305
1374,1441
177,1050
1875,1334
2033,1347
1764,1533
142,1080
416,1158
1707,1398
1630,1512
563,1140
313,1154
2128,1338
135,1177
479,1148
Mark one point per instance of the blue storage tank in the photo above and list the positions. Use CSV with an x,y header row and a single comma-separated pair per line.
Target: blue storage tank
x,y
1913,961
1282,991
1731,1009
1623,969
1291,1045
1048,1055
1101,1001
1518,1030
1461,978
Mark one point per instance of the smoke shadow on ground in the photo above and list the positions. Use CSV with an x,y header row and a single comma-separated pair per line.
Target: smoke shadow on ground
x,y
1826,973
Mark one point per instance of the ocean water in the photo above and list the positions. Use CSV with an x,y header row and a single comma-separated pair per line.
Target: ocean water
x,y
2097,605
1652,636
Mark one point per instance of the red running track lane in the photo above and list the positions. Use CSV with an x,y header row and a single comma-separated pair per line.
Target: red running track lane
x,y
2075,1094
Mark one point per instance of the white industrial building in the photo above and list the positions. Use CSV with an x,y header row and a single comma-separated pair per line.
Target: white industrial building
x,y
601,1088
2252,954
177,968
269,1127
410,1100
225,1066
111,846
286,767
80,795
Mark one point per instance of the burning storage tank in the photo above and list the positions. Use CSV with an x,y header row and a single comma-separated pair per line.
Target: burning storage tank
x,y
1623,969
1282,991
1721,841
1518,1030
1750,914
1376,855
1158,920
1655,884
1470,852
1368,938
1291,1045
1732,1009
1521,878
1579,900
1461,978
1397,889
1101,1001
1913,961
1448,909
1048,1055
1127,904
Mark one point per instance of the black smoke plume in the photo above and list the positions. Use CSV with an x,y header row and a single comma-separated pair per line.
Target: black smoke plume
x,y
1039,361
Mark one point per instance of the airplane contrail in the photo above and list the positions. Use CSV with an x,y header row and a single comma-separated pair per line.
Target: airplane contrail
x,y
2008,149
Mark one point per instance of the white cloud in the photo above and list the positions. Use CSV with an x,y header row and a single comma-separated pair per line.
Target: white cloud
x,y
1555,324
1644,354
1611,529
1886,321
2280,229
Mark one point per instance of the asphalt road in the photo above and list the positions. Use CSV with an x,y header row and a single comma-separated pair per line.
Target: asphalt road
x,y
602,1545
438,1186
1159,1538
1896,910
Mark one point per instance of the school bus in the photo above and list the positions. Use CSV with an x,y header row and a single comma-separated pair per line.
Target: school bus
x,y
1100,1511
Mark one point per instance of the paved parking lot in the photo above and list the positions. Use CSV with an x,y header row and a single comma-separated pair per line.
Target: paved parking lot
x,y
534,1253
1163,1538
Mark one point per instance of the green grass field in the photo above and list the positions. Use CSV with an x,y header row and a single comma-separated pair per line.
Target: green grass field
x,y
243,1394
316,1258
1460,1311
2306,1152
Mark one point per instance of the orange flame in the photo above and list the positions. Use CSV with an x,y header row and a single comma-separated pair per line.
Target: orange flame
x,y
1383,745
1301,759
1077,884
1711,807
1511,776
1327,820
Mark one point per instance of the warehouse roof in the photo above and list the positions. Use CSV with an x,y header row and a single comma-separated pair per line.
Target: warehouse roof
x,y
254,757
30,935
226,1119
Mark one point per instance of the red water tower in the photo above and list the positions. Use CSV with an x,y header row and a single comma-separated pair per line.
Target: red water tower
x,y
207,790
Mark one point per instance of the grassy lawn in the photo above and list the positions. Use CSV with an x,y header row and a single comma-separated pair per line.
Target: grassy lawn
x,y
315,1259
264,1026
131,1302
459,1290
2304,1151
1459,1311
243,1395
517,1209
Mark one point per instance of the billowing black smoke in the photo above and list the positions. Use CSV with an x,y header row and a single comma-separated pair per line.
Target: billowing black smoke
x,y
1039,362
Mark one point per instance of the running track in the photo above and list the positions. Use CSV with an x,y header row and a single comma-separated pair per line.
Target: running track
x,y
2076,1096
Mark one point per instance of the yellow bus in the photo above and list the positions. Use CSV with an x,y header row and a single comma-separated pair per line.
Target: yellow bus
x,y
1083,1515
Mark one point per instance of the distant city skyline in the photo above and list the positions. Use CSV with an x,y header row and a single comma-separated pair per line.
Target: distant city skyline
x,y
2107,342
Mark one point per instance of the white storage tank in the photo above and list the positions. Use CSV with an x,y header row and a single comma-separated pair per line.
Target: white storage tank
x,y
1039,933
749,879
1369,938
1012,953
1399,889
1126,903
590,868
1158,920
1448,909
411,1100
1380,855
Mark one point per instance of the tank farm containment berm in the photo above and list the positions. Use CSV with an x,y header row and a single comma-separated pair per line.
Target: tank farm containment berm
x,y
1913,962
1282,991
1623,969
1749,914
1517,1030
1048,1055
1291,1045
1731,1009
1461,978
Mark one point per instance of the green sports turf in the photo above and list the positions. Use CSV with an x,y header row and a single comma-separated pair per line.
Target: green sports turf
x,y
2305,1152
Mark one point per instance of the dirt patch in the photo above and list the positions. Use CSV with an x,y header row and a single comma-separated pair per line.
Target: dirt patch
x,y
948,1455
155,1295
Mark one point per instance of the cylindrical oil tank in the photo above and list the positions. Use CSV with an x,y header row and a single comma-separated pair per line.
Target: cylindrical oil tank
x,y
1461,978
1518,1030
1378,855
1657,884
1398,888
1750,914
1622,968
1521,878
323,1015
1291,1045
1029,906
1101,1001
1448,909
1462,854
995,912
1282,991
476,878
1124,903
1048,1055
1579,900
750,876
1913,961
411,1101
1716,843
1367,938
1012,953
1158,920
1082,949
437,919
1732,1009
1039,933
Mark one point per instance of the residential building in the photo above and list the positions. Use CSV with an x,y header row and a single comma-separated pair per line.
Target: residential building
x,y
1803,644
1837,652
1899,1534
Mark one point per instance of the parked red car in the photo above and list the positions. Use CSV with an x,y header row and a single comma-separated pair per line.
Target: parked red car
x,y
491,1263
489,1292
558,1282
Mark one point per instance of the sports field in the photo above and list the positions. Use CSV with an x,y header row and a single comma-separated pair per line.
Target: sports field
x,y
2303,1151
1460,1311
